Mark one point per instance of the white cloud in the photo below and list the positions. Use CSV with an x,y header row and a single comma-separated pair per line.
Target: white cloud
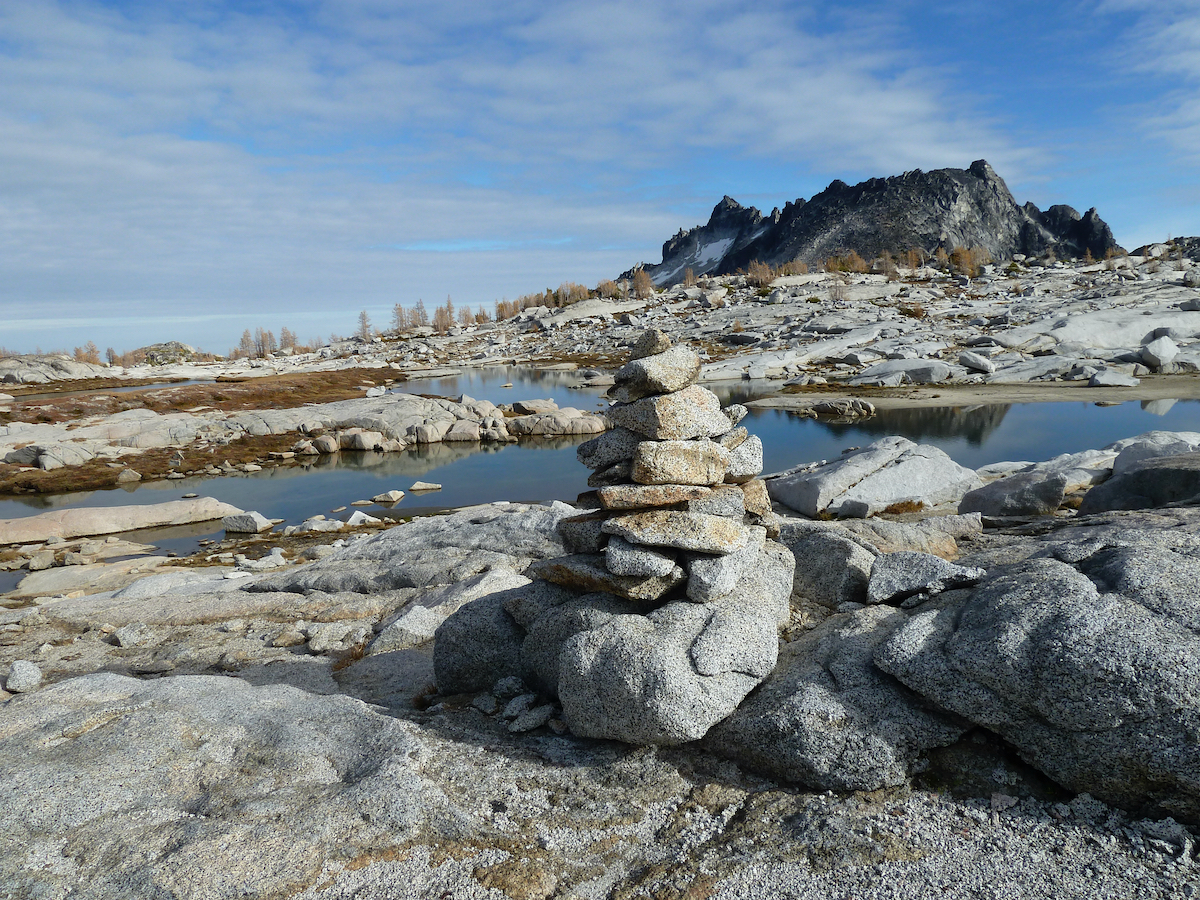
x,y
195,160
1164,41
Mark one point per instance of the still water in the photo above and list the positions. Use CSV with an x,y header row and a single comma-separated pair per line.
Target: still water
x,y
545,469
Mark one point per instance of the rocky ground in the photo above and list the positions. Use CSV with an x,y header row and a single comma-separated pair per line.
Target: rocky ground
x,y
984,683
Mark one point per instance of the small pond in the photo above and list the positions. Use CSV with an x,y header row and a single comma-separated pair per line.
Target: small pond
x,y
544,469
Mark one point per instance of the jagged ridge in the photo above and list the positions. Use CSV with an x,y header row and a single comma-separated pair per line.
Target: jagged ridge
x,y
944,208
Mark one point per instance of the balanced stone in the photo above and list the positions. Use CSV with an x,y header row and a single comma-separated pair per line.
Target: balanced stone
x,y
583,534
680,462
733,438
662,373
690,413
587,572
608,448
642,496
684,530
724,500
746,461
756,499
624,558
713,577
649,343
617,473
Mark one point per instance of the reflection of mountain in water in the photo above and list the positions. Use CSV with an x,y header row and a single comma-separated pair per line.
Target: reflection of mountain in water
x,y
973,423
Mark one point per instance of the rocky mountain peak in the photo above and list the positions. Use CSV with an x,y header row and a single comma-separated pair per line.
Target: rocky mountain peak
x,y
944,208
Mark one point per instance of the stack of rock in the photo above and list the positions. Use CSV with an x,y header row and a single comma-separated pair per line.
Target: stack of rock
x,y
667,610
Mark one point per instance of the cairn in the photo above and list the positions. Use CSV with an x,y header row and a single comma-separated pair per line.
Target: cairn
x,y
666,612
679,530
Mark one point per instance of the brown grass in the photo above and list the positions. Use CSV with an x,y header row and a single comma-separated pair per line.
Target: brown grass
x,y
905,506
759,274
152,465
643,287
850,262
227,395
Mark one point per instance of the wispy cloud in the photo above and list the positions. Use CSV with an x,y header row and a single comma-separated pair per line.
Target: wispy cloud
x,y
250,163
1163,40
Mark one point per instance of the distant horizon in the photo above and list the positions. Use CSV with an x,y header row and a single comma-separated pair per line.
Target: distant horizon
x,y
182,171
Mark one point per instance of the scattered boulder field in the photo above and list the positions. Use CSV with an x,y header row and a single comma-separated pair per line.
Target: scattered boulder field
x,y
884,675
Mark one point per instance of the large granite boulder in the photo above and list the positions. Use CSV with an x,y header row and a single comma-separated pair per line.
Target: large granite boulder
x,y
828,719
1151,482
890,471
1090,668
1022,494
205,787
667,677
433,550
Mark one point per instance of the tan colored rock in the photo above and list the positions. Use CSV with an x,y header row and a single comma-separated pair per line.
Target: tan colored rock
x,y
69,523
642,496
683,530
758,501
693,412
680,462
587,572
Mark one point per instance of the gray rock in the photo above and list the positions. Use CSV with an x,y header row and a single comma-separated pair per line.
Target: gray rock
x,y
913,371
895,577
746,461
247,522
432,550
551,630
23,676
693,412
588,572
532,718
1023,494
207,783
662,373
972,360
828,719
682,530
609,448
831,569
713,577
889,471
1106,377
1097,690
680,462
624,558
1160,352
1152,444
1149,483
417,622
477,645
667,677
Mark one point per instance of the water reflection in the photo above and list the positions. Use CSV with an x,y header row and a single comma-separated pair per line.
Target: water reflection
x,y
974,424
524,383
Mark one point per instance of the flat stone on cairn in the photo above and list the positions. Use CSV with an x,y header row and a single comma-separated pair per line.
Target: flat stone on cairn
x,y
683,589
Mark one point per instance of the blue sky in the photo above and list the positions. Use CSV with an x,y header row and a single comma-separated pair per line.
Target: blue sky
x,y
185,170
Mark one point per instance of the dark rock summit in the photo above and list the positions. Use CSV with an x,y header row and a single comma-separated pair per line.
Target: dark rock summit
x,y
944,208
